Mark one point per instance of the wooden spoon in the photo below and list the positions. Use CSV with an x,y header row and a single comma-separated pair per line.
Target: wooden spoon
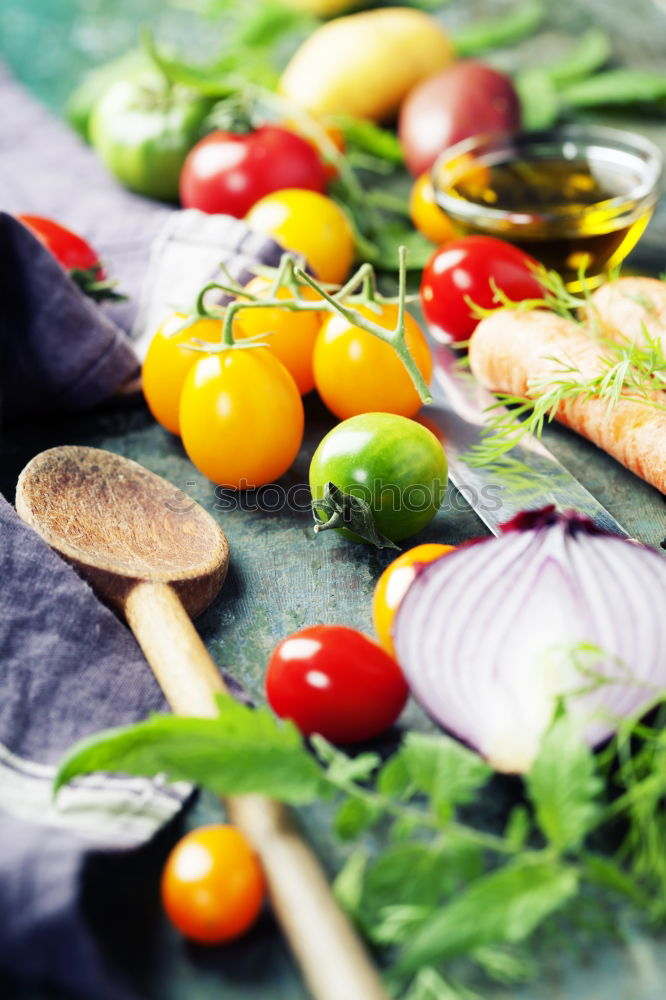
x,y
152,552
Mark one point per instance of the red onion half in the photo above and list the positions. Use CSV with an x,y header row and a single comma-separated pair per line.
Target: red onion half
x,y
492,634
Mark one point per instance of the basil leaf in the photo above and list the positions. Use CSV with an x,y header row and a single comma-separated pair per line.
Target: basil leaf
x,y
241,751
341,769
407,883
505,966
428,984
353,817
447,772
505,906
348,884
563,786
518,827
393,780
407,874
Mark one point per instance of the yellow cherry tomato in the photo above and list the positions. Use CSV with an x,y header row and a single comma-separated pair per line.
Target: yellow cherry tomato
x,y
168,363
290,336
241,417
309,223
394,583
355,372
427,216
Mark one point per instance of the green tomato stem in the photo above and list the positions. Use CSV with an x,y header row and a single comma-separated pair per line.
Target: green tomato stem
x,y
395,338
293,275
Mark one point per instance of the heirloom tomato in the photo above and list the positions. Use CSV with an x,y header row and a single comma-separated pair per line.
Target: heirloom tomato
x,y
310,224
465,273
393,463
394,583
465,99
290,336
213,887
168,363
143,131
356,372
227,172
334,681
241,417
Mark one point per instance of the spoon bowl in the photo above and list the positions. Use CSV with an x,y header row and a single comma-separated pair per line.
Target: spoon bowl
x,y
118,524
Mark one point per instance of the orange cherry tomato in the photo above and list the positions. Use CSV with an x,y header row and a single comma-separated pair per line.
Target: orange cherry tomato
x,y
213,887
241,417
168,363
427,216
309,223
355,372
290,336
394,583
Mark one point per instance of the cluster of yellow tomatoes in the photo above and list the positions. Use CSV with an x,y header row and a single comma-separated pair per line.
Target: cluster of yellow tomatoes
x,y
230,391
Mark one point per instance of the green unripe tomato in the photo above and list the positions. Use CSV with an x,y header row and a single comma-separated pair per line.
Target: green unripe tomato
x,y
395,464
143,132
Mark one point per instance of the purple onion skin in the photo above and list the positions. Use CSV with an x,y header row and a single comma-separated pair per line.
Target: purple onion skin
x,y
489,637
545,517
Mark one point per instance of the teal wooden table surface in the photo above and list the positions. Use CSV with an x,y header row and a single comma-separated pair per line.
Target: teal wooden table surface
x,y
281,577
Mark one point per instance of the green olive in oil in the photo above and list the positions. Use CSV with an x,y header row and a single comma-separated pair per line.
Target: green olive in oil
x,y
577,205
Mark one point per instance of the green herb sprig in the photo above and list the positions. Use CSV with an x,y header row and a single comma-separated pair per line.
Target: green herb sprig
x,y
440,888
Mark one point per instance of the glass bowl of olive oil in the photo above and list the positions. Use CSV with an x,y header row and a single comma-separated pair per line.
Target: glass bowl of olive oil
x,y
576,197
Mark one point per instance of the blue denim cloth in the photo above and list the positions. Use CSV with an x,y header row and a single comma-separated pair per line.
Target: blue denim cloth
x,y
68,667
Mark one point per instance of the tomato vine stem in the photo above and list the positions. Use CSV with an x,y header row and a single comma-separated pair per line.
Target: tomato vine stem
x,y
344,301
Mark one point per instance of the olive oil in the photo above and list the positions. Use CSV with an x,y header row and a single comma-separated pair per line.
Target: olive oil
x,y
573,214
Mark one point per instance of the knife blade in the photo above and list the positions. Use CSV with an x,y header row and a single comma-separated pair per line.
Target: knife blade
x,y
531,478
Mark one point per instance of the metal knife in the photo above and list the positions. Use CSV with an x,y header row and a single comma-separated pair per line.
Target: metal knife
x,y
531,478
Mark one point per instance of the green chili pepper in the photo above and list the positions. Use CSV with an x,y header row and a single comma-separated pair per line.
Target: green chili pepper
x,y
498,32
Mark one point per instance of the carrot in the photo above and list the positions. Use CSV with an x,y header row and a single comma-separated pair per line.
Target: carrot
x,y
628,308
527,353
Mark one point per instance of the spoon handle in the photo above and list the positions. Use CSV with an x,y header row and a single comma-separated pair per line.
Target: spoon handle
x,y
332,958
177,656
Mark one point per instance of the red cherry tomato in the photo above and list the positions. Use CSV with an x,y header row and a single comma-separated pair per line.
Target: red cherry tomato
x,y
69,249
464,271
335,681
227,172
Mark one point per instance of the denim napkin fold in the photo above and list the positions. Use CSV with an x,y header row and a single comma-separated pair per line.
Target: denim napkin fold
x,y
58,349
68,666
